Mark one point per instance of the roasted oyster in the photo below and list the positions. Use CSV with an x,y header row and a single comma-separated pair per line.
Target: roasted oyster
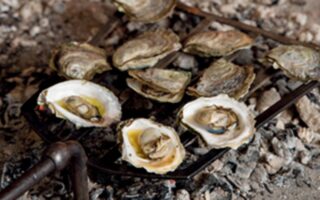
x,y
298,62
150,145
163,85
221,121
79,61
84,103
223,77
217,43
146,50
146,10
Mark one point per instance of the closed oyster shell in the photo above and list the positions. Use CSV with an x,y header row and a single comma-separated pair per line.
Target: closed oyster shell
x,y
146,50
298,62
162,85
146,10
84,103
150,145
220,121
224,77
79,61
217,43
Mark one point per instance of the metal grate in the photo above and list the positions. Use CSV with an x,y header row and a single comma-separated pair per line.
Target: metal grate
x,y
107,163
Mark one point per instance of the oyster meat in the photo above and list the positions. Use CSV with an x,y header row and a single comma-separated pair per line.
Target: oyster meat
x,y
220,121
84,103
224,77
217,43
298,62
163,85
146,10
79,61
150,145
145,50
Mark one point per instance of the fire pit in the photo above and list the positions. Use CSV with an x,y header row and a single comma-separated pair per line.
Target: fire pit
x,y
106,160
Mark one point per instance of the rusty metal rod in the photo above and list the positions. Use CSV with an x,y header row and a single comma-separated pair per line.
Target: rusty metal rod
x,y
243,26
58,156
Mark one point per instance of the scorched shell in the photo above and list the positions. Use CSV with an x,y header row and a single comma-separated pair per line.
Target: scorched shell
x,y
217,43
223,77
163,85
146,50
146,10
298,62
220,121
84,103
79,61
150,145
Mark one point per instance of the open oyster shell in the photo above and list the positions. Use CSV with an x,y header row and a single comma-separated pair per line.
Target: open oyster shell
x,y
224,77
150,145
298,62
220,121
146,10
79,61
84,103
146,50
163,85
217,43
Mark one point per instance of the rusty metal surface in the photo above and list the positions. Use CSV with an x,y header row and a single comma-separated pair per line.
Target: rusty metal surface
x,y
57,157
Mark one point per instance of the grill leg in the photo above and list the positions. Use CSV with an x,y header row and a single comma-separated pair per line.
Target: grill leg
x,y
58,156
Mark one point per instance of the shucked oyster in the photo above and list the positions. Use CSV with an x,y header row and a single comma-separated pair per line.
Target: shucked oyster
x,y
84,103
146,10
223,77
162,85
217,43
221,121
146,50
297,62
79,61
150,145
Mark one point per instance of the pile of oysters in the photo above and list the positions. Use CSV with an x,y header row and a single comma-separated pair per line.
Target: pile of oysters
x,y
216,114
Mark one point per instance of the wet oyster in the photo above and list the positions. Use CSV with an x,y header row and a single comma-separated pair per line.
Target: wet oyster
x,y
297,62
146,10
163,85
221,121
150,145
146,50
224,77
79,61
217,43
84,103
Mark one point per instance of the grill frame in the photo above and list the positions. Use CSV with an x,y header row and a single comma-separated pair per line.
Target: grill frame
x,y
106,165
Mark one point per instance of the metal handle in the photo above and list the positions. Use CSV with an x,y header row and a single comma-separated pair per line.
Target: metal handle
x,y
58,156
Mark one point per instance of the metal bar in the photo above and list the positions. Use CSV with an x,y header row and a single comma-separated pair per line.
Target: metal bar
x,y
57,157
243,26
28,180
284,103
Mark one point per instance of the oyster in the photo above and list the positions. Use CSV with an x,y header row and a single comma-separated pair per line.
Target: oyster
x,y
150,145
298,62
146,10
84,103
217,43
221,121
224,77
145,50
79,61
163,85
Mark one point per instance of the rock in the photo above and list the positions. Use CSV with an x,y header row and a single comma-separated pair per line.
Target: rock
x,y
267,99
306,135
182,194
185,61
309,112
273,163
281,150
259,175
